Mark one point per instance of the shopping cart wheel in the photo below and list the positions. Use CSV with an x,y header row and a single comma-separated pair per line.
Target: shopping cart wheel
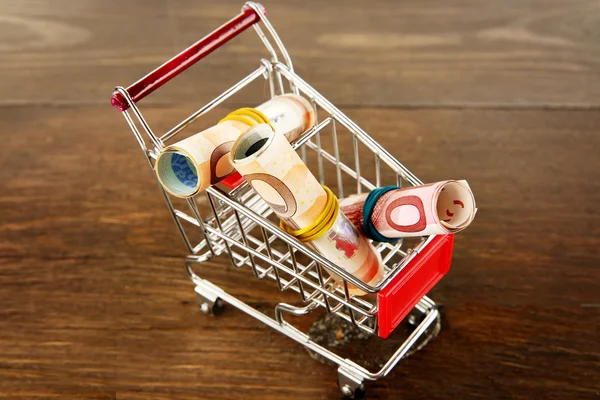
x,y
210,305
212,308
352,386
415,318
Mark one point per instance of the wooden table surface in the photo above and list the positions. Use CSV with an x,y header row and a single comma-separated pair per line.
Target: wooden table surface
x,y
94,299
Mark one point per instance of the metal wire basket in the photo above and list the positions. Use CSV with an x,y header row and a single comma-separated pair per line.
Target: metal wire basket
x,y
241,225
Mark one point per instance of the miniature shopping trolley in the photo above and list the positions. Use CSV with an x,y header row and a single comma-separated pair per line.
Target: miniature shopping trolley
x,y
239,224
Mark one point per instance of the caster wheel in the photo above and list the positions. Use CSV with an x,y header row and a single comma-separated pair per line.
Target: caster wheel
x,y
356,393
351,385
415,319
212,308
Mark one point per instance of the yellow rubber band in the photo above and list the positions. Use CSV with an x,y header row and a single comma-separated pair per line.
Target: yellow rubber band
x,y
240,118
253,111
248,116
321,225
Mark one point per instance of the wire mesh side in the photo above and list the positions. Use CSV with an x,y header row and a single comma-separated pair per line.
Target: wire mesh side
x,y
257,243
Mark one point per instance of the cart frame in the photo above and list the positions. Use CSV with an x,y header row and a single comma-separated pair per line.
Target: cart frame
x,y
239,224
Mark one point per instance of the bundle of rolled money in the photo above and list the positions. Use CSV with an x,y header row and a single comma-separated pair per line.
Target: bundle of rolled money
x,y
308,211
191,165
389,213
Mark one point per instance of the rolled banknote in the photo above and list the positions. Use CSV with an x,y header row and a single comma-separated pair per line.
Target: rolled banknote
x,y
308,211
188,167
389,213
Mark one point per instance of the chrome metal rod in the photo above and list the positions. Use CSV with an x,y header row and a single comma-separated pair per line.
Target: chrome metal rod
x,y
348,123
214,103
158,144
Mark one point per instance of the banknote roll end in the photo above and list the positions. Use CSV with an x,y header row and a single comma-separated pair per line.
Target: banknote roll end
x,y
177,173
456,206
251,143
311,117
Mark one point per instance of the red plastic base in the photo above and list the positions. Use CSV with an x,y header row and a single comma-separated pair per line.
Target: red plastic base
x,y
234,180
417,278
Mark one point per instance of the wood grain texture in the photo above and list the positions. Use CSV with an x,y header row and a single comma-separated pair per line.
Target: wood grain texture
x,y
95,301
419,53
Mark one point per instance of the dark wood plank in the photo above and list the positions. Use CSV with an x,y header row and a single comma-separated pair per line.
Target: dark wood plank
x,y
96,303
509,53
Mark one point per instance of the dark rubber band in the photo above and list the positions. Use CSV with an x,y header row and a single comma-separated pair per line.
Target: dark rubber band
x,y
367,225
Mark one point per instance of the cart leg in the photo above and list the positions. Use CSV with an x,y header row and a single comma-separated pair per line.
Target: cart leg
x,y
210,303
350,384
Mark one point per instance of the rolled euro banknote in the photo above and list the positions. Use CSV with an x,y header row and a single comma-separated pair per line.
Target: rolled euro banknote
x,y
309,211
190,166
389,213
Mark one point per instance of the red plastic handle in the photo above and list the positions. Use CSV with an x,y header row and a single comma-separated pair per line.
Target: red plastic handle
x,y
417,278
187,58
